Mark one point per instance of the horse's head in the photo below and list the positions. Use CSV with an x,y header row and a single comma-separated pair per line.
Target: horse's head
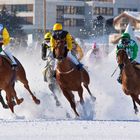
x,y
60,50
122,56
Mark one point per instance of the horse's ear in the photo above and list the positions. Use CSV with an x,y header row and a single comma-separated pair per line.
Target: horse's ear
x,y
54,53
66,52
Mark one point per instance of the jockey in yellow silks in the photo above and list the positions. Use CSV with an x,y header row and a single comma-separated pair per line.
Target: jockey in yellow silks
x,y
59,34
46,45
77,50
4,41
48,56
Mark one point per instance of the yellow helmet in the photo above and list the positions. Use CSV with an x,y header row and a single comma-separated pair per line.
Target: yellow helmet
x,y
47,36
57,26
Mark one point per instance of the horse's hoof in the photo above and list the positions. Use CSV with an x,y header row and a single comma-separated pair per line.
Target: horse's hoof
x,y
58,103
37,101
77,115
11,108
14,103
20,101
5,106
136,111
93,98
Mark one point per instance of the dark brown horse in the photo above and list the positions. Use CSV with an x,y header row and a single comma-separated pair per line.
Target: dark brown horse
x,y
7,81
130,77
68,77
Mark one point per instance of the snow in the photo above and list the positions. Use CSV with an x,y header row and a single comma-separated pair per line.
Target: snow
x,y
69,130
110,117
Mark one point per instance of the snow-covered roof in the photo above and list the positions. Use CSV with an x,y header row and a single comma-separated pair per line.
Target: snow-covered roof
x,y
130,14
133,18
135,15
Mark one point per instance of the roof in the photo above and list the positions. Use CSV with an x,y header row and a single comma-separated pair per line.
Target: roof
x,y
116,37
129,14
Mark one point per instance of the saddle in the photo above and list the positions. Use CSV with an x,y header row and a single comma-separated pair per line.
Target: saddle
x,y
136,65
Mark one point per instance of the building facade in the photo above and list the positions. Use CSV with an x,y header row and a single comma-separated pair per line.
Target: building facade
x,y
24,8
108,9
71,14
77,16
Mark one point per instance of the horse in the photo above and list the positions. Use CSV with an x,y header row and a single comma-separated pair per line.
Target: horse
x,y
130,77
68,77
48,77
7,82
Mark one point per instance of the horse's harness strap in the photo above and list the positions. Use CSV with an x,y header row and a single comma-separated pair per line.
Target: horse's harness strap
x,y
67,72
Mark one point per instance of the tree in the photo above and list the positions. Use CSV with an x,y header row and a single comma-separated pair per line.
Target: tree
x,y
11,22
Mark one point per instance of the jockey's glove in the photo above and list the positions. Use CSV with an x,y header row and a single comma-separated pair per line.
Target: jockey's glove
x,y
131,60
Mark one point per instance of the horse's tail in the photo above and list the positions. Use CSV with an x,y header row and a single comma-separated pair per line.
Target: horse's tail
x,y
20,73
85,77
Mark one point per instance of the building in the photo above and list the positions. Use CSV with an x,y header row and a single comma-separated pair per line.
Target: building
x,y
71,14
121,21
108,9
77,16
25,9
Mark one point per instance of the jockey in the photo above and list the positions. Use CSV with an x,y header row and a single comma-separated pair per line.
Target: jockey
x,y
47,54
59,34
4,41
76,50
46,45
131,48
95,49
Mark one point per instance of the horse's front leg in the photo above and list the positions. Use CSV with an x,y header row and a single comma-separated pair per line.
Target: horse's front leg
x,y
3,102
134,98
80,93
70,97
52,89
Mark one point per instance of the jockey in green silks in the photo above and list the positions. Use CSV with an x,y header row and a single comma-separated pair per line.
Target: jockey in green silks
x,y
131,48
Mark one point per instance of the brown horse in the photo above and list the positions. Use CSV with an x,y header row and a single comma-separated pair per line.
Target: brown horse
x,y
68,77
130,77
8,78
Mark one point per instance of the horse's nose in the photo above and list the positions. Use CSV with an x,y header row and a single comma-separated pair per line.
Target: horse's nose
x,y
60,57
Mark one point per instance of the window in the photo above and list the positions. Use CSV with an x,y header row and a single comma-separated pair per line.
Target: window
x,y
121,10
22,7
73,10
27,20
60,13
103,11
73,22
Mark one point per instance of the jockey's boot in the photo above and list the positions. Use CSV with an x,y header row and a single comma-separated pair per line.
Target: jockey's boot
x,y
54,73
119,79
14,66
79,66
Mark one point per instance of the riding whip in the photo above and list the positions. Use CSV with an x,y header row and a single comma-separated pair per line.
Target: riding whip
x,y
114,71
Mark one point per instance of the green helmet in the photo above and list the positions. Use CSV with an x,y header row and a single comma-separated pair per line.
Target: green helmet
x,y
125,35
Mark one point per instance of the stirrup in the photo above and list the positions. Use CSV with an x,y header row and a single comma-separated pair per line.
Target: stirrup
x,y
54,73
119,80
79,66
14,66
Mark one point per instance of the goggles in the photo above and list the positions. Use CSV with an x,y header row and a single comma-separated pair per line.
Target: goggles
x,y
125,41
